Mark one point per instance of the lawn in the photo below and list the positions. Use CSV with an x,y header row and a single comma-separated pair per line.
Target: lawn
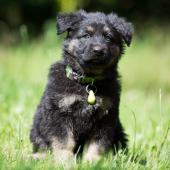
x,y
144,110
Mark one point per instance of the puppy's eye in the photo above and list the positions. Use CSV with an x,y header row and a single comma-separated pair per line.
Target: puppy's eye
x,y
108,37
86,36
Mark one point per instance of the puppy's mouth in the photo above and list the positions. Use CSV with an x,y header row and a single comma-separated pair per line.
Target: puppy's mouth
x,y
94,66
94,62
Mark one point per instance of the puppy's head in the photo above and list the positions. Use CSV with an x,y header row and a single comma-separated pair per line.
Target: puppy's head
x,y
94,41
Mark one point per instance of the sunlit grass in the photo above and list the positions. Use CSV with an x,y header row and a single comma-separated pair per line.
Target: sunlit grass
x,y
145,102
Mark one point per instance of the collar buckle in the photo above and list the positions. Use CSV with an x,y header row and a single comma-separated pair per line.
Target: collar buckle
x,y
80,78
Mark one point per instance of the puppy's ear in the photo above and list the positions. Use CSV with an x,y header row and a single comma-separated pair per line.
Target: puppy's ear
x,y
124,28
67,21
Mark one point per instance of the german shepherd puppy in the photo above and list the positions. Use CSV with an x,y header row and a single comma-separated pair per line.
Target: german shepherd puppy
x,y
80,105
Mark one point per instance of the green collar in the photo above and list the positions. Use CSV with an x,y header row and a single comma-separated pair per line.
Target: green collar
x,y
81,78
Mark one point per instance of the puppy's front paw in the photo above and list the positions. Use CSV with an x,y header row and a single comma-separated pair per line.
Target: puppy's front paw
x,y
65,159
93,153
92,158
38,156
89,109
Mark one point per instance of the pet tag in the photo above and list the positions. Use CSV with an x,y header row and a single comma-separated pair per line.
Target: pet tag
x,y
91,90
91,98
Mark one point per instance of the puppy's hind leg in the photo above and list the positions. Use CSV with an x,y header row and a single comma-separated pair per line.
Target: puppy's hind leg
x,y
39,151
39,145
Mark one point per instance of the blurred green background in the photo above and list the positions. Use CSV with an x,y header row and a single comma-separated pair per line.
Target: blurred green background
x,y
29,45
30,16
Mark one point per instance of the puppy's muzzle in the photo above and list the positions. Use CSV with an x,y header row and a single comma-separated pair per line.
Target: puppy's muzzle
x,y
98,50
96,55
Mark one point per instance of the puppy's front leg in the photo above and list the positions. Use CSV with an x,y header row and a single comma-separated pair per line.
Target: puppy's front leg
x,y
63,149
90,109
94,151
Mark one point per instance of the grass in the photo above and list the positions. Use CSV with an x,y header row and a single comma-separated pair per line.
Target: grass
x,y
145,102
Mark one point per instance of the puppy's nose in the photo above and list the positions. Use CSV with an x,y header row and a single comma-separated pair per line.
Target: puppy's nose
x,y
98,49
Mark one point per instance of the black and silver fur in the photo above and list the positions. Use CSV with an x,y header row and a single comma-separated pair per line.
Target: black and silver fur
x,y
93,47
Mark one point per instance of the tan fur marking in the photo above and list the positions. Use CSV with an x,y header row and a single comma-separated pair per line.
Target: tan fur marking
x,y
63,151
90,29
94,152
38,156
70,141
72,45
106,29
56,145
69,100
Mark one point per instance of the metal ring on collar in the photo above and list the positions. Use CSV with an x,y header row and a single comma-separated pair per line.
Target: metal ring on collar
x,y
91,87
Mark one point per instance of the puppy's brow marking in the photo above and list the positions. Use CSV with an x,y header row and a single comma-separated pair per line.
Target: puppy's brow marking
x,y
90,29
106,29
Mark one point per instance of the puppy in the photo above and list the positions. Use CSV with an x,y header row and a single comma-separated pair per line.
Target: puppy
x,y
80,105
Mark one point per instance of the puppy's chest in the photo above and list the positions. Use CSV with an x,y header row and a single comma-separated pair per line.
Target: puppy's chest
x,y
77,105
